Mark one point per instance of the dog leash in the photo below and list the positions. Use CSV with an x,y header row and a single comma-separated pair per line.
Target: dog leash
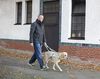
x,y
49,49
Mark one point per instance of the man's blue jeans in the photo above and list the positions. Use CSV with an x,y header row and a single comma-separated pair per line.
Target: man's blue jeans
x,y
37,54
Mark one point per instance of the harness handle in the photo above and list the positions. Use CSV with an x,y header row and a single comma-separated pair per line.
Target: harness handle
x,y
49,49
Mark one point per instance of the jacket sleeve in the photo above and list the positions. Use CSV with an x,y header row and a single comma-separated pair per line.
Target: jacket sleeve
x,y
44,37
32,29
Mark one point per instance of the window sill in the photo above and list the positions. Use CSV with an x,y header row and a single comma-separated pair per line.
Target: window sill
x,y
27,24
17,24
77,38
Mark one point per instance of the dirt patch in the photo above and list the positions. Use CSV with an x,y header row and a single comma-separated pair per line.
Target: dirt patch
x,y
13,53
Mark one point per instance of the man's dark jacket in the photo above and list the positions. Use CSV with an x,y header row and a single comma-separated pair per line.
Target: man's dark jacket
x,y
37,32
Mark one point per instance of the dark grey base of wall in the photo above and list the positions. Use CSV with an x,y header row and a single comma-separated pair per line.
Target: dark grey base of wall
x,y
82,45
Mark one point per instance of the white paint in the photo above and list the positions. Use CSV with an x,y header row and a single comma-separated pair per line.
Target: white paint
x,y
92,27
65,20
21,32
8,18
35,9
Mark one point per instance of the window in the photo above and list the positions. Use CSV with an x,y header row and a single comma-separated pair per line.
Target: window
x,y
19,12
78,19
29,12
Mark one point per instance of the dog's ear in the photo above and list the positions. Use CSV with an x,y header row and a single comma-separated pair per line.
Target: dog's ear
x,y
62,55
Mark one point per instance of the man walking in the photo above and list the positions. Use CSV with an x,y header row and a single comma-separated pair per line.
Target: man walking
x,y
37,39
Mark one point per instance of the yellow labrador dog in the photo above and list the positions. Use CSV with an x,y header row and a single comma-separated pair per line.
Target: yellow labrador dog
x,y
55,57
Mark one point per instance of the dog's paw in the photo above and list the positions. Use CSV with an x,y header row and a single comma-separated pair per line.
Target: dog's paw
x,y
47,67
60,70
54,69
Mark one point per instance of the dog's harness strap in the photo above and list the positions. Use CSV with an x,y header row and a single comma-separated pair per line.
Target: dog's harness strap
x,y
49,49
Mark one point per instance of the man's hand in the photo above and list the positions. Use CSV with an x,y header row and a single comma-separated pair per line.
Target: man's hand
x,y
45,44
31,44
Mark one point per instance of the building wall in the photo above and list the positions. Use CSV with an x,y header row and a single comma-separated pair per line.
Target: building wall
x,y
92,25
8,29
84,53
84,49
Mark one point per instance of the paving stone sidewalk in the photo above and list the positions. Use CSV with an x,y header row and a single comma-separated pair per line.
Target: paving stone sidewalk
x,y
13,65
14,68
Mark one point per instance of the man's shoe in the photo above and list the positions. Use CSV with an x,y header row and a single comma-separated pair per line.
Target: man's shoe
x,y
43,68
30,64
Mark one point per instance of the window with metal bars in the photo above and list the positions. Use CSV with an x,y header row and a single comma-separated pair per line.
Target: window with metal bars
x,y
19,12
29,12
78,19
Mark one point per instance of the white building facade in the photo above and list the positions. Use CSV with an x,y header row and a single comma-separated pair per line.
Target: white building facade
x,y
15,24
92,22
9,28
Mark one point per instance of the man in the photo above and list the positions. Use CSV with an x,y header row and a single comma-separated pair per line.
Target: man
x,y
37,39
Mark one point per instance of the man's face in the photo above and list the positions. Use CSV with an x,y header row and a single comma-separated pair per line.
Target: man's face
x,y
41,18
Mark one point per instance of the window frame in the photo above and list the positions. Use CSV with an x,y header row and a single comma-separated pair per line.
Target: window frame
x,y
27,13
18,15
82,14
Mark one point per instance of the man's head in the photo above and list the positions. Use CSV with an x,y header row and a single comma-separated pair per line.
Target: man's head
x,y
40,18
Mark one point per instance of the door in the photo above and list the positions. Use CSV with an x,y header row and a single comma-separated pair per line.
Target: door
x,y
51,22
